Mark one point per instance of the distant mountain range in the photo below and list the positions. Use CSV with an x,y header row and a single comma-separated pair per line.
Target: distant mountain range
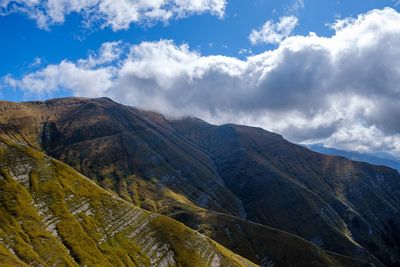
x,y
380,158
93,182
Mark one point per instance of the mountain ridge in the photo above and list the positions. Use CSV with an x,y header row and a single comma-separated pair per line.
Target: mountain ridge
x,y
186,167
374,159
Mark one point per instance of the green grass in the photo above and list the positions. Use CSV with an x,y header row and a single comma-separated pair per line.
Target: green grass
x,y
31,242
177,236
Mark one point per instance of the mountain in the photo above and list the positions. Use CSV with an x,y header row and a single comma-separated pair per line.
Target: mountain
x,y
372,158
264,198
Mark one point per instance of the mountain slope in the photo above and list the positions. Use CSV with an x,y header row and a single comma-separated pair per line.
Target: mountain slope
x,y
267,245
350,205
221,179
107,142
51,215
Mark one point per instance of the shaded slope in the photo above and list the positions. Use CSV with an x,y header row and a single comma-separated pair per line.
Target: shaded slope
x,y
338,204
264,244
53,216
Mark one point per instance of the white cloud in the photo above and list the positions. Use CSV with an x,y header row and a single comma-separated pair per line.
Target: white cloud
x,y
294,7
108,53
65,75
37,61
274,32
341,90
117,14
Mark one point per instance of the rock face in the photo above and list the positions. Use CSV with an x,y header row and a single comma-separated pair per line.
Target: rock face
x,y
247,188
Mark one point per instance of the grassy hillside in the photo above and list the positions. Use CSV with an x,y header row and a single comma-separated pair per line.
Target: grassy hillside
x,y
50,215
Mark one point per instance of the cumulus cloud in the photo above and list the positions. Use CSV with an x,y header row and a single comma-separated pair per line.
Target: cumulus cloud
x,y
274,32
65,75
108,53
341,90
117,14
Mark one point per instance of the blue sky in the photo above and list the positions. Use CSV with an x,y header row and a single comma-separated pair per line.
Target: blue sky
x,y
22,41
249,62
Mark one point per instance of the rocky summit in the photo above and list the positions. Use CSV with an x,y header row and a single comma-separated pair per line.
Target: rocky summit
x,y
96,183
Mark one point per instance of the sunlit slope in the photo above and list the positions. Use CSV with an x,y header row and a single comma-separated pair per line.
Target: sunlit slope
x,y
50,215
